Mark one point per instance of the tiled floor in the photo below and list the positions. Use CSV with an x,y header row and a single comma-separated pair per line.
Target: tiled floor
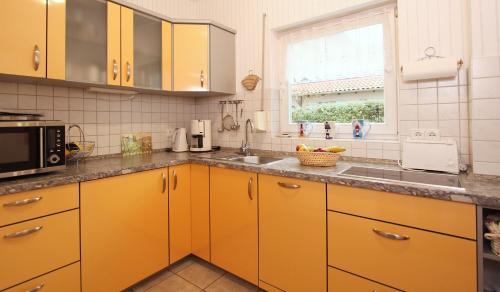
x,y
192,275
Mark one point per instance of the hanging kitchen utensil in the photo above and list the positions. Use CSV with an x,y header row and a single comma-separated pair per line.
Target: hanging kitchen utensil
x,y
236,126
228,120
221,129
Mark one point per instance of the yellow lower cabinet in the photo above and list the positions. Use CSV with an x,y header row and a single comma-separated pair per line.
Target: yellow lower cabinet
x,y
339,281
37,203
401,257
233,222
292,234
200,211
66,279
35,247
124,229
179,211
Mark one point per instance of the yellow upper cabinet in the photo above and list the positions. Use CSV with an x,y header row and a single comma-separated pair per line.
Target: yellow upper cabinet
x,y
56,39
200,211
204,59
23,38
233,222
292,233
113,44
180,211
191,57
76,40
127,46
148,34
124,229
166,55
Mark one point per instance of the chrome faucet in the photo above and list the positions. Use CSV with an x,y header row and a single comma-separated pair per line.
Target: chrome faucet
x,y
245,149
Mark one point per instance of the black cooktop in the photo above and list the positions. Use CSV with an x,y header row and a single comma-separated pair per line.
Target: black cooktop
x,y
419,177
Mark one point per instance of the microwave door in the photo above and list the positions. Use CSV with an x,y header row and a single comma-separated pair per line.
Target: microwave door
x,y
21,148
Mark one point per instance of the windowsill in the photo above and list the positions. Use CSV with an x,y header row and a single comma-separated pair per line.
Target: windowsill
x,y
316,138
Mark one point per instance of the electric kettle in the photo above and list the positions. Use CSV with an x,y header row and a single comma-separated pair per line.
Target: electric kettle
x,y
179,143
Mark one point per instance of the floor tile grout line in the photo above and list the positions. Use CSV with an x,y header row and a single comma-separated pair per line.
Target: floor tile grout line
x,y
222,275
196,284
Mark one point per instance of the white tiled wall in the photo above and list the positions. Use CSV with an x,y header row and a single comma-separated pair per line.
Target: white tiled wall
x,y
485,115
103,117
437,104
422,23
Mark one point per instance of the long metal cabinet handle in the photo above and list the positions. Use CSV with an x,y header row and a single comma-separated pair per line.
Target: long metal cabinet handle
x,y
250,192
42,148
164,183
202,78
37,288
129,71
389,235
22,202
36,58
175,179
288,186
115,69
23,232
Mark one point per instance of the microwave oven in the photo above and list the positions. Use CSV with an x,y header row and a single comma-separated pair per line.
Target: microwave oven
x,y
30,147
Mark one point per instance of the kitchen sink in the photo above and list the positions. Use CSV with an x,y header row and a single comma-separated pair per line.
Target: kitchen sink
x,y
252,159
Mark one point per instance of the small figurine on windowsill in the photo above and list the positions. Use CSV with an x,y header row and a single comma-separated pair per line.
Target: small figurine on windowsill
x,y
327,131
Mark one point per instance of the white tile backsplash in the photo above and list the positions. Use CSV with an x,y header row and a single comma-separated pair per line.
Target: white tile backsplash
x,y
103,117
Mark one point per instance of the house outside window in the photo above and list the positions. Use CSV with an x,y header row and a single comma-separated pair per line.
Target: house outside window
x,y
339,70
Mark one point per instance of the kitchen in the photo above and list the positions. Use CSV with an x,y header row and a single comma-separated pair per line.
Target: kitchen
x,y
228,145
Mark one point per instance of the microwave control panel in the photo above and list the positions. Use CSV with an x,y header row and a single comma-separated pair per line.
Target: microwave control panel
x,y
54,146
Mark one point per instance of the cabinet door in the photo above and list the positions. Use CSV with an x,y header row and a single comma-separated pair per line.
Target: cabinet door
x,y
191,57
339,281
166,55
113,44
127,46
233,222
180,212
86,22
200,211
147,51
66,279
292,233
23,38
124,229
34,247
400,256
56,39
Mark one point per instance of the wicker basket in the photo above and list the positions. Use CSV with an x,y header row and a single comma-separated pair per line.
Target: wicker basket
x,y
317,158
492,222
494,239
250,81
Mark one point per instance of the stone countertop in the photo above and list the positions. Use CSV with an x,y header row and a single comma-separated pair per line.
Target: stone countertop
x,y
480,190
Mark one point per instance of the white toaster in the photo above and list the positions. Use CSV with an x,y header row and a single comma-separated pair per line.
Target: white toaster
x,y
438,155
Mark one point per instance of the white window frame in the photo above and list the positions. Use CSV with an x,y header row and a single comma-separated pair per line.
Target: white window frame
x,y
386,16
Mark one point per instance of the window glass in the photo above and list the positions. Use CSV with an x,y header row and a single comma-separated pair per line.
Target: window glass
x,y
337,76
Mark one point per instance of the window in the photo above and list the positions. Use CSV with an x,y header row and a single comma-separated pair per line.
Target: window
x,y
338,70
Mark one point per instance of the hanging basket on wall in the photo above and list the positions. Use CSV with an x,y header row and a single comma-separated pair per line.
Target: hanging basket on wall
x,y
250,81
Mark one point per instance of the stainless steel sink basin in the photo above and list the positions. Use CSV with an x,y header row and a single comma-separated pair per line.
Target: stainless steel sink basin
x,y
252,159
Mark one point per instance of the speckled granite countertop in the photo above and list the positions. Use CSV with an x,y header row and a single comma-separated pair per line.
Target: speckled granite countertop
x,y
479,190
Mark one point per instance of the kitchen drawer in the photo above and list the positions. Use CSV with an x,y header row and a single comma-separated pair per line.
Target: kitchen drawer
x,y
28,205
340,281
437,215
66,279
55,245
425,261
